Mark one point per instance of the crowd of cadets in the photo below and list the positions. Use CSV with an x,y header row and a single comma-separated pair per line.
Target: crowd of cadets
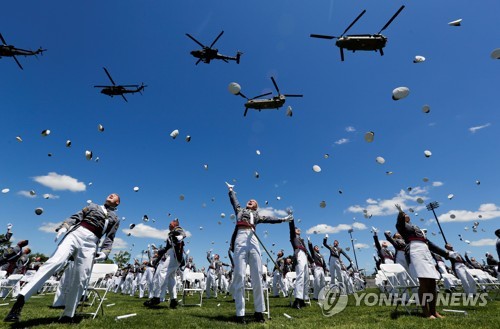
x,y
457,271
165,267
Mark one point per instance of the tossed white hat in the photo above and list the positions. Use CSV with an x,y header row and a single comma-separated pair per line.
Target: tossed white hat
x,y
400,93
495,54
426,108
380,160
19,139
457,22
234,88
45,132
427,153
136,188
68,143
419,59
316,168
131,226
100,127
174,133
369,136
450,196
88,155
39,211
6,190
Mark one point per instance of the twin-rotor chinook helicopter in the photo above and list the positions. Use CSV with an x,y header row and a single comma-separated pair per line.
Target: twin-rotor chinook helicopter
x,y
366,42
265,104
11,51
208,53
119,90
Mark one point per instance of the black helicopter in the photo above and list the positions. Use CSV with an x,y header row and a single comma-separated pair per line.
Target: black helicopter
x,y
269,103
119,90
367,42
208,53
11,51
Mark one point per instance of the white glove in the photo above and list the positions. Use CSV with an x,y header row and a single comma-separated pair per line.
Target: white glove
x,y
179,237
398,207
100,256
388,232
326,236
374,230
288,218
61,231
229,186
308,239
9,226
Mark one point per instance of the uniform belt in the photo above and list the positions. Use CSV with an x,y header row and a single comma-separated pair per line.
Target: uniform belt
x,y
244,225
92,228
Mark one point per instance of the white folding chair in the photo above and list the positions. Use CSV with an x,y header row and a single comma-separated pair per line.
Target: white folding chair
x,y
191,278
9,285
400,282
94,286
484,281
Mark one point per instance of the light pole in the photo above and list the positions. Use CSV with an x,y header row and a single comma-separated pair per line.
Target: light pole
x,y
431,206
353,249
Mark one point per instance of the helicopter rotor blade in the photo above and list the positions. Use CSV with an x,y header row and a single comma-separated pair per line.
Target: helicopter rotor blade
x,y
123,96
242,95
341,54
129,86
18,64
192,38
103,86
353,22
109,76
392,18
3,40
266,94
213,43
198,62
275,85
293,95
245,113
320,36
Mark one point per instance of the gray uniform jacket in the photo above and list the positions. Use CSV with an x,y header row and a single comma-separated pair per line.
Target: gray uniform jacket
x,y
248,217
336,252
94,217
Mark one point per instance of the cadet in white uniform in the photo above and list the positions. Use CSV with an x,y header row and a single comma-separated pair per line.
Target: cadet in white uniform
x,y
247,251
90,224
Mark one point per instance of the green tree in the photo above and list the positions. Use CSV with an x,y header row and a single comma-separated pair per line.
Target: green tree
x,y
121,258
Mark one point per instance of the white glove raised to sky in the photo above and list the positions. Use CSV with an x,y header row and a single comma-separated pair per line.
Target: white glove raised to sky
x,y
288,218
61,231
9,226
100,256
326,236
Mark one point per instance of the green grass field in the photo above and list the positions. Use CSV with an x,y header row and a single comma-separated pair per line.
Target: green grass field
x,y
219,313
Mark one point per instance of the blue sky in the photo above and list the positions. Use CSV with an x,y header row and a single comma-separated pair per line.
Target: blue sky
x,y
146,42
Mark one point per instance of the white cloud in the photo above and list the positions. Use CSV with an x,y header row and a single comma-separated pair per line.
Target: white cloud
x,y
324,229
49,227
119,244
386,207
361,246
437,184
342,141
146,231
486,211
350,129
270,211
483,242
359,226
60,182
27,194
474,129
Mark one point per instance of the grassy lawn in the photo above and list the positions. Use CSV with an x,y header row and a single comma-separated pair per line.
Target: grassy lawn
x,y
218,313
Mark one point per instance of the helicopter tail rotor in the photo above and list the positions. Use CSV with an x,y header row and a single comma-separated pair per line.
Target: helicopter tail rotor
x,y
238,55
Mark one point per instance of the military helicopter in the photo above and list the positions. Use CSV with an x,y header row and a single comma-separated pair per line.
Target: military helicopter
x,y
264,104
367,42
208,53
11,51
120,90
